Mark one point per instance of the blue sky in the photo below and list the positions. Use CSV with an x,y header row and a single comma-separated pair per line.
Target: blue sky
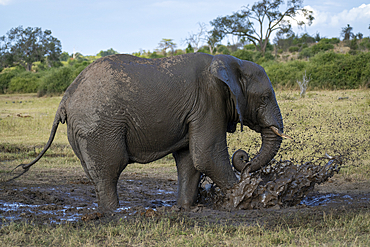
x,y
88,26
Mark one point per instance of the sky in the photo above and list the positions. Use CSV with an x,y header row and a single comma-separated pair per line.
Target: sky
x,y
128,26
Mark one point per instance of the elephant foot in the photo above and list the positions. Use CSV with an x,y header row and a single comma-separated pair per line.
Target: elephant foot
x,y
107,196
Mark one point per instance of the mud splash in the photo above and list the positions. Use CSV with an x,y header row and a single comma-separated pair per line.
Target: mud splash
x,y
279,184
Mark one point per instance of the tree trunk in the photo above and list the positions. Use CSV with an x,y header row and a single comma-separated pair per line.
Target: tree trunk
x,y
28,67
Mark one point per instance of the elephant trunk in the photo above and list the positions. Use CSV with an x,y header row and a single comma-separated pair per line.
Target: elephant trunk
x,y
270,146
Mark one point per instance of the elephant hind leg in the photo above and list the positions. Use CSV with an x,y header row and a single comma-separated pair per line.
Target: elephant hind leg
x,y
103,160
188,179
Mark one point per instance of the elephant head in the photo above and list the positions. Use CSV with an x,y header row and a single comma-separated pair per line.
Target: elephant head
x,y
255,103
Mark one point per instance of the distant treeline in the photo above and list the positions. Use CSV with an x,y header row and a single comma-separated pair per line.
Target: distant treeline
x,y
326,68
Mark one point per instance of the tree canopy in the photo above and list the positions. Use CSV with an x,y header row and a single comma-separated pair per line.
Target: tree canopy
x,y
167,44
29,45
242,23
107,52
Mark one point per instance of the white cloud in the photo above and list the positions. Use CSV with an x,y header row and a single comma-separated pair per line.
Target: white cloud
x,y
361,13
330,24
5,2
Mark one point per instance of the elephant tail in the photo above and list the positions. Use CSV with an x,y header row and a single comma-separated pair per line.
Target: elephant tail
x,y
60,116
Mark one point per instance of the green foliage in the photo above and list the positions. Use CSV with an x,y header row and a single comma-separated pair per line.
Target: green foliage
x,y
223,50
327,70
243,54
29,45
25,82
64,56
240,23
285,74
293,48
285,42
58,80
189,49
6,76
204,49
365,43
107,52
322,45
250,47
155,55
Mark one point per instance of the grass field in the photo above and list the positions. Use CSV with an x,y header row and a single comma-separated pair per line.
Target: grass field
x,y
333,122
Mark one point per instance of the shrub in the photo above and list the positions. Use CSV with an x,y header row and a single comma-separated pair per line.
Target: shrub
x,y
286,74
25,82
250,47
221,49
58,80
327,70
243,54
365,43
6,76
293,48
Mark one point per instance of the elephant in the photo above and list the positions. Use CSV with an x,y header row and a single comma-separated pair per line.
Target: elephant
x,y
124,109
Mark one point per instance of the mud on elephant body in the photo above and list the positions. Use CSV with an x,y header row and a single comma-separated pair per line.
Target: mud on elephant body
x,y
123,109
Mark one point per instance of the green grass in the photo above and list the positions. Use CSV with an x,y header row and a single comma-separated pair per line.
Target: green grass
x,y
321,229
319,123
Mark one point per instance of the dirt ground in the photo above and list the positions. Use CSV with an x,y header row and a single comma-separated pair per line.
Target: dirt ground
x,y
58,196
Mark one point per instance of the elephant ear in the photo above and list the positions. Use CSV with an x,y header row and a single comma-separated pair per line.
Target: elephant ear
x,y
228,69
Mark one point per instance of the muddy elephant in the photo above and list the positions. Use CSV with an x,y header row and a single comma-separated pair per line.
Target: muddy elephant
x,y
123,109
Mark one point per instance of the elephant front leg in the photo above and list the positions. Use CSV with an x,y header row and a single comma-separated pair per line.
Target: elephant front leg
x,y
188,179
208,148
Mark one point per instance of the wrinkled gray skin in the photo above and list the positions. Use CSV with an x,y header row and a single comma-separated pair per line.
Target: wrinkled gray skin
x,y
123,109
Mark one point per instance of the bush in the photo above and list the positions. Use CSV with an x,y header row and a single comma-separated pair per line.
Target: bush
x,y
365,44
323,45
286,74
251,47
25,82
6,76
327,70
293,48
58,80
223,50
243,54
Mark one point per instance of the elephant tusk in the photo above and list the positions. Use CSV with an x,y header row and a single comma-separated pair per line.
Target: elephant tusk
x,y
279,133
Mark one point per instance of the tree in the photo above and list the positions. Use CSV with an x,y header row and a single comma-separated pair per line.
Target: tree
x,y
26,46
196,40
107,52
64,56
242,23
359,36
167,44
347,33
212,42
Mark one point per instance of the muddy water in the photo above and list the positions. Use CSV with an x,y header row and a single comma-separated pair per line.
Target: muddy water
x,y
279,184
56,199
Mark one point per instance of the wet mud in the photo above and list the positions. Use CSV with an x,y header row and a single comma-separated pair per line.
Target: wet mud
x,y
56,197
279,184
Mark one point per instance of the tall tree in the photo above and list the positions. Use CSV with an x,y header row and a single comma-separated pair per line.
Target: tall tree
x,y
167,44
196,40
242,23
347,33
26,46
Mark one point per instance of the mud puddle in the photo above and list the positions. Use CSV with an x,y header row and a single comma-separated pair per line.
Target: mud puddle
x,y
77,201
59,199
332,199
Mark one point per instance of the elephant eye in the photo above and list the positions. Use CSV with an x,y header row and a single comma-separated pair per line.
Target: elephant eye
x,y
265,99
